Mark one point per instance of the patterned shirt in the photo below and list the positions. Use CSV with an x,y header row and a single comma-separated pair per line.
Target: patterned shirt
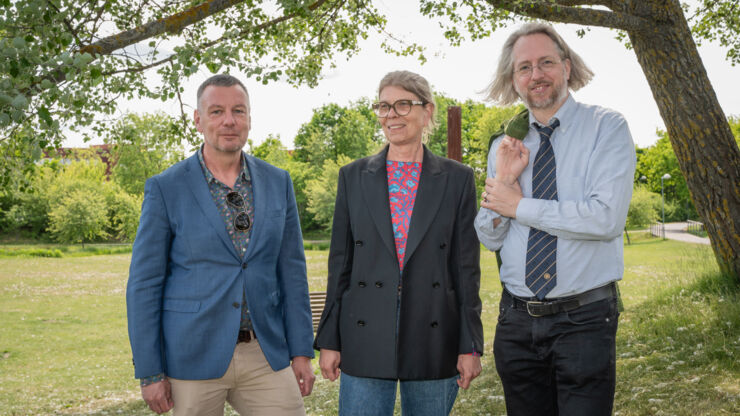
x,y
240,239
403,181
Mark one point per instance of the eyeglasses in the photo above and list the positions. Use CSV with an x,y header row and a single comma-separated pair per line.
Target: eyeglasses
x,y
400,107
545,65
241,221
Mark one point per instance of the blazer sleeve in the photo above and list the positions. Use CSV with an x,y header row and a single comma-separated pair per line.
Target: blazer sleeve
x,y
341,252
147,275
291,273
466,261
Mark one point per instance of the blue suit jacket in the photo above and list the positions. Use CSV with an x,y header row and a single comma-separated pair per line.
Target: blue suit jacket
x,y
186,279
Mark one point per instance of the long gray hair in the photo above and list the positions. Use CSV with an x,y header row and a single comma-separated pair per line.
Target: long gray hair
x,y
501,89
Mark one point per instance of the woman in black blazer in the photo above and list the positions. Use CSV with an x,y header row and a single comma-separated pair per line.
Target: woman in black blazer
x,y
402,295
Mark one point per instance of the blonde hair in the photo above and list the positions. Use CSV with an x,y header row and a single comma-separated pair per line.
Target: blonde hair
x,y
416,84
501,89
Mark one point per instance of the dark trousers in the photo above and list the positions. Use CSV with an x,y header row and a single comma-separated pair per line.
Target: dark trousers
x,y
561,364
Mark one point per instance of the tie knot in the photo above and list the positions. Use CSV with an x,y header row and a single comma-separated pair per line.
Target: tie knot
x,y
546,131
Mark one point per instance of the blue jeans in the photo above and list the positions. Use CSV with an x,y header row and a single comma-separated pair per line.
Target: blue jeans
x,y
561,364
362,396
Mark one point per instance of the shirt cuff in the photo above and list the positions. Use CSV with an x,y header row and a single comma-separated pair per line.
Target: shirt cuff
x,y
145,381
527,211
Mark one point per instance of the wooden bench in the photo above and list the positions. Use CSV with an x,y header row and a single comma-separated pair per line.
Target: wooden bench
x,y
317,307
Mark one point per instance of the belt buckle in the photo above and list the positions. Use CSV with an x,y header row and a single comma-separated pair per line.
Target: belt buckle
x,y
534,303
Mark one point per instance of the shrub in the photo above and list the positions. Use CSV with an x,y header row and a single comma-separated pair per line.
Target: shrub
x,y
644,208
124,211
80,217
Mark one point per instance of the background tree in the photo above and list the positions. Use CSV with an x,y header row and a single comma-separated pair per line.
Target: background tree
x,y
274,152
655,161
334,130
143,146
322,191
65,62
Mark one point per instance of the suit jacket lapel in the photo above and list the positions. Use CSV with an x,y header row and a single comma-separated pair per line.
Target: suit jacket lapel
x,y
432,185
199,188
374,181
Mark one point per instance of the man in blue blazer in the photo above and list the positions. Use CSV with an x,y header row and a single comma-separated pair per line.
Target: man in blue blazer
x,y
217,296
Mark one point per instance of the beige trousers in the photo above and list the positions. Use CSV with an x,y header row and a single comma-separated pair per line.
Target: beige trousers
x,y
250,386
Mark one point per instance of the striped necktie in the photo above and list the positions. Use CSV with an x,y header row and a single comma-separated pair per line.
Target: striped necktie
x,y
541,271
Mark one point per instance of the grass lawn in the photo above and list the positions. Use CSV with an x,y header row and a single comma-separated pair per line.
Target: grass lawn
x,y
64,347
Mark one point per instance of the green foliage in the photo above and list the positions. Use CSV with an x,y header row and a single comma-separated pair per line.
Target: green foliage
x,y
65,63
272,151
143,146
719,21
734,122
55,203
644,208
30,252
335,130
79,217
322,191
124,210
655,161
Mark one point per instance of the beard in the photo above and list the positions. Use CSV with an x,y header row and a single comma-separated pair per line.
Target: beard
x,y
559,92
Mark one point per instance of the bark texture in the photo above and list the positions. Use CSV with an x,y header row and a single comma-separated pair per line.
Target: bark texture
x,y
700,134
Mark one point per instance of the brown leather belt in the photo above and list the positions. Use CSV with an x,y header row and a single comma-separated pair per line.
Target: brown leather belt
x,y
245,336
537,308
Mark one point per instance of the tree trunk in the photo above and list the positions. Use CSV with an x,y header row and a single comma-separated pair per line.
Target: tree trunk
x,y
700,134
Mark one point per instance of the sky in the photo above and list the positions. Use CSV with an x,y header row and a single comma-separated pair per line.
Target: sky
x,y
460,72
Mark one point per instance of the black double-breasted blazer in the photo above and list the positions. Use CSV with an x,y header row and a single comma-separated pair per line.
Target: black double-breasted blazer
x,y
409,326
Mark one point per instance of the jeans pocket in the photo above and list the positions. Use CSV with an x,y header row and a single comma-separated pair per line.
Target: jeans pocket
x,y
503,310
597,313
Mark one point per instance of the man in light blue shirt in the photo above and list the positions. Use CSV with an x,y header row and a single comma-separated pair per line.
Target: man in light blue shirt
x,y
555,204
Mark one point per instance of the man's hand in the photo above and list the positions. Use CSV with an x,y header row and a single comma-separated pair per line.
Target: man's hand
x,y
512,156
303,374
469,368
158,396
501,197
329,361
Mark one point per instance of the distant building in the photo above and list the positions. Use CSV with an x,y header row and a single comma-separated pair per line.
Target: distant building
x,y
67,155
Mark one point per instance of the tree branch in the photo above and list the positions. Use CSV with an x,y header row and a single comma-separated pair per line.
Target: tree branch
x,y
172,23
557,12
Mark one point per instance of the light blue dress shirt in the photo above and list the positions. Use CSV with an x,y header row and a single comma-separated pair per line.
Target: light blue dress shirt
x,y
595,159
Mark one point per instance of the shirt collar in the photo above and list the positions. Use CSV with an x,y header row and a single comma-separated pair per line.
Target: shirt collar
x,y
565,114
209,176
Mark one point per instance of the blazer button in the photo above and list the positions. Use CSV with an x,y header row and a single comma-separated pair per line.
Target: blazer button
x,y
378,284
435,285
360,323
361,284
443,245
236,304
434,324
359,243
244,266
